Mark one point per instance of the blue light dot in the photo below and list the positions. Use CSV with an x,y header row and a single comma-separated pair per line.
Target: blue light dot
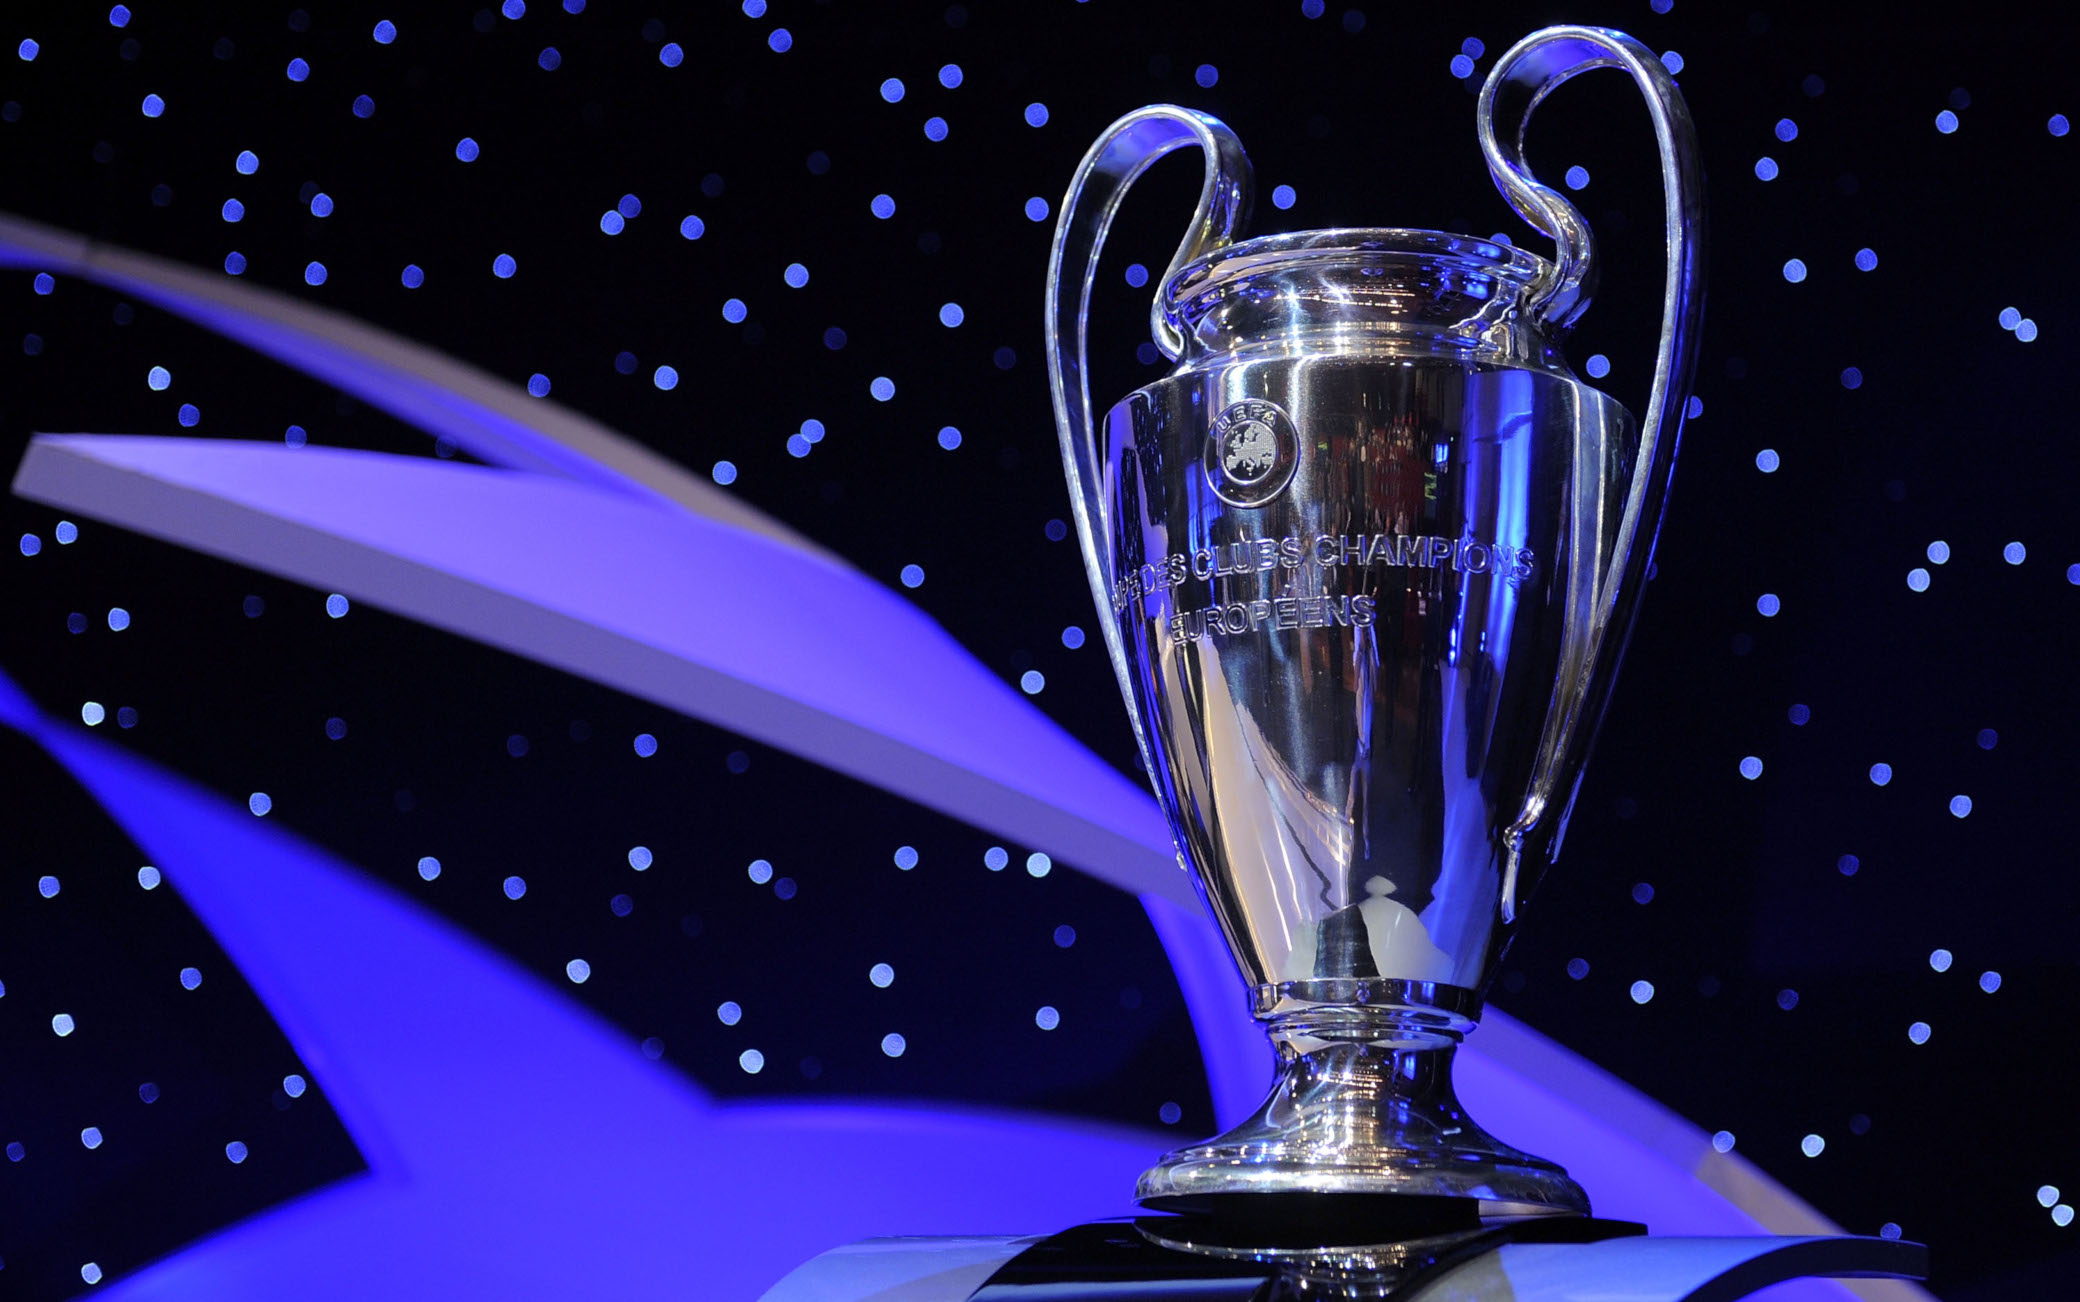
x,y
1047,1018
812,430
578,970
881,975
1693,408
63,1024
260,803
906,857
1751,768
295,436
149,877
760,872
892,90
724,472
692,227
1036,209
1283,196
514,887
883,207
1794,271
1462,67
1989,981
1207,75
1672,61
119,16
2025,330
1787,130
1799,715
1032,682
2010,318
246,163
1847,865
1642,991
466,149
2014,553
1036,114
882,388
153,106
31,544
1311,8
935,128
1866,260
47,886
550,58
949,438
1072,637
729,1012
1918,1033
1577,177
752,1061
1787,999
611,222
2058,125
1881,774
294,1085
1038,865
1723,1141
734,311
913,576
645,745
781,40
1767,461
503,266
65,532
189,414
1988,739
1946,122
671,56
2073,574
299,70
335,605
27,50
893,1045
1960,806
1766,168
234,263
796,275
754,8
950,76
951,315
1577,968
1768,605
1940,960
1852,378
190,978
429,868
118,618
1137,275
233,210
995,858
538,385
1812,1145
314,273
364,106
1064,936
1917,579
93,712
158,378
1598,366
385,32
1170,1114
629,206
412,276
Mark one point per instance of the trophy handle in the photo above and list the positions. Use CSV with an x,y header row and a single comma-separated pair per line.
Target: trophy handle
x,y
1519,82
1122,153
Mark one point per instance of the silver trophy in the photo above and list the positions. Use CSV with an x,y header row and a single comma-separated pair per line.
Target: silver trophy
x,y
1366,560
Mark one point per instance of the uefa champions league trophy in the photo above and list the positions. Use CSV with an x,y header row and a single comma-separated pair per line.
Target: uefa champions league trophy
x,y
1366,560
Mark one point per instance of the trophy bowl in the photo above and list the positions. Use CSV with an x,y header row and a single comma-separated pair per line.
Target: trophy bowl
x,y
1365,560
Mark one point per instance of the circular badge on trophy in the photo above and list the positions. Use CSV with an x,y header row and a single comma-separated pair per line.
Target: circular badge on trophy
x,y
1251,452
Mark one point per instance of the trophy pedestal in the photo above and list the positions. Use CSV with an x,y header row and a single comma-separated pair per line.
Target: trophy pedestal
x,y
1358,1123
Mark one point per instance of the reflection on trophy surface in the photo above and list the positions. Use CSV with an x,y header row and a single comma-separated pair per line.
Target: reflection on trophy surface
x,y
1369,553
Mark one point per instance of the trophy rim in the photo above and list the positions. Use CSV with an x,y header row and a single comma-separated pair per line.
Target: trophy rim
x,y
1354,243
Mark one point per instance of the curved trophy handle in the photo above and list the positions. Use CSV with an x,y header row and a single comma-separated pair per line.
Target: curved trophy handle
x,y
1519,82
1122,153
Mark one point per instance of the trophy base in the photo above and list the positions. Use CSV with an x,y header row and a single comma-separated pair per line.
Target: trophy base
x,y
1355,1130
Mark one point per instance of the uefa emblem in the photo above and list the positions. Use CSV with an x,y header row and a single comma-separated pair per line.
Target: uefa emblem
x,y
1251,452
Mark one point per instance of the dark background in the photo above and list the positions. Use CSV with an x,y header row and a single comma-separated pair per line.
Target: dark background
x,y
1785,923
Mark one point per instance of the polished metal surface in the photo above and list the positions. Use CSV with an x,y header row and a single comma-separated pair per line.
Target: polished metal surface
x,y
1367,557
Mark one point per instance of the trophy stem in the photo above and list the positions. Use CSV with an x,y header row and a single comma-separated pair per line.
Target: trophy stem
x,y
1363,1108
